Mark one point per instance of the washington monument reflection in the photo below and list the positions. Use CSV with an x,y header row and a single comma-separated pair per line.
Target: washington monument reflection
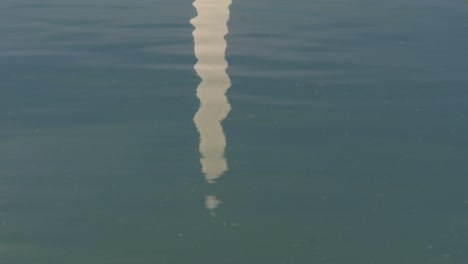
x,y
210,48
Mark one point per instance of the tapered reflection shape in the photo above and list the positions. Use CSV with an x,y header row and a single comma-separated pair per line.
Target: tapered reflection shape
x,y
210,48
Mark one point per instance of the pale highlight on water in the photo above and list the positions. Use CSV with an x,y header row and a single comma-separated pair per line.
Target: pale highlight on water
x,y
210,48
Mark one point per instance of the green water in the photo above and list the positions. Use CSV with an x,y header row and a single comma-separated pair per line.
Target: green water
x,y
339,135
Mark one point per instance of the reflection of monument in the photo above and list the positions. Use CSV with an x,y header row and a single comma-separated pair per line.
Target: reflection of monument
x,y
210,48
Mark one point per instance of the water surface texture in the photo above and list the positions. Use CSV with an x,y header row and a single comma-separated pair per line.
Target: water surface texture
x,y
211,131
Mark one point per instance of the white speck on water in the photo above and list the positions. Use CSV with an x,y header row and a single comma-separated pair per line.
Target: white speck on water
x,y
212,202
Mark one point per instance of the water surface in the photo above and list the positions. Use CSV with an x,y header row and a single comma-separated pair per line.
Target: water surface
x,y
233,132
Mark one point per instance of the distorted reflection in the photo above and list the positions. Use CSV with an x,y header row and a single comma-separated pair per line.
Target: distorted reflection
x,y
210,48
212,202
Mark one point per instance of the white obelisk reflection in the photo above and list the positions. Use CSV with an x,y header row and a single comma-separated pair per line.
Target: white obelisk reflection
x,y
210,48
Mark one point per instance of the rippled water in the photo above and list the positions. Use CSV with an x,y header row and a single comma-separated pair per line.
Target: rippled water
x,y
233,132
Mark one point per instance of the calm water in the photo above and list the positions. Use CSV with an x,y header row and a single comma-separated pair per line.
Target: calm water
x,y
133,132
